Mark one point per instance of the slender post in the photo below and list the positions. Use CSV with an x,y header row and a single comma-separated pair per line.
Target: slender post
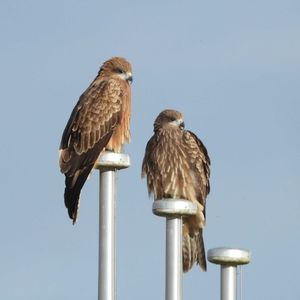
x,y
173,210
228,259
174,258
107,236
228,282
108,164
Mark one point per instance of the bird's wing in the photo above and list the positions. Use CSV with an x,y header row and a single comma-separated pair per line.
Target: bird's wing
x,y
199,163
91,125
148,166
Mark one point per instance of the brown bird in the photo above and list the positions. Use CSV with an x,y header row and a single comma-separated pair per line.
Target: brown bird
x,y
100,120
177,165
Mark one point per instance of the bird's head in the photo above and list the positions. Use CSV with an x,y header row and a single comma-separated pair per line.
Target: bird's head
x,y
118,67
169,118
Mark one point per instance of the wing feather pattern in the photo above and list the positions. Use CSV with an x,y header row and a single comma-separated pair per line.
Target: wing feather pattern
x,y
89,129
199,163
199,169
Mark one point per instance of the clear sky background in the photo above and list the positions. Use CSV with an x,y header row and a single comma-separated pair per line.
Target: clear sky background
x,y
231,67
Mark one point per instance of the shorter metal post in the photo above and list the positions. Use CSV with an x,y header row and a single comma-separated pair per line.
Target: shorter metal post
x,y
229,259
173,210
108,164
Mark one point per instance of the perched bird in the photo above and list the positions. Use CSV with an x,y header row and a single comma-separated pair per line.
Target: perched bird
x,y
100,120
177,166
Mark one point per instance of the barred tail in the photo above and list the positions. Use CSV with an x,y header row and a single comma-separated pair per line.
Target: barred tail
x,y
193,251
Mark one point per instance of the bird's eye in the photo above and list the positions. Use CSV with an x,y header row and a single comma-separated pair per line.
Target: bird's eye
x,y
120,71
172,119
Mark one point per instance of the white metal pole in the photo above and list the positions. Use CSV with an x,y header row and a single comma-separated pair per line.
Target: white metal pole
x,y
173,210
174,258
108,164
228,282
107,236
228,259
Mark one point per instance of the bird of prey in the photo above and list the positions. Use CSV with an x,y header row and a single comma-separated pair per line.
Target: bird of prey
x,y
177,166
100,120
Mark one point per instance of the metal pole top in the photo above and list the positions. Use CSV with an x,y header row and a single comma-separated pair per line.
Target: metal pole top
x,y
174,207
112,161
229,256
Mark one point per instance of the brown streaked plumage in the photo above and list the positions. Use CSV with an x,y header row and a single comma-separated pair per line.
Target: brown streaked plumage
x,y
177,165
100,120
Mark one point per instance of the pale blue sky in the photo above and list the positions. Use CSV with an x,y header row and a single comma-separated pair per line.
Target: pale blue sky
x,y
231,67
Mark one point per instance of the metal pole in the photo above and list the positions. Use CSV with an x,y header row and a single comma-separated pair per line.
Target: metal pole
x,y
174,258
228,282
107,236
108,164
173,210
229,259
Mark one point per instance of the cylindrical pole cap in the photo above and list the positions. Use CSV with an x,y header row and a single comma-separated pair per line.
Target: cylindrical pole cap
x,y
113,161
229,256
173,207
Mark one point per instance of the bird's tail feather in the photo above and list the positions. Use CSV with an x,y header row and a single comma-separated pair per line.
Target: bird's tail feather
x,y
193,251
73,188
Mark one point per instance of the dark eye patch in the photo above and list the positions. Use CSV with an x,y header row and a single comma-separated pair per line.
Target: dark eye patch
x,y
118,70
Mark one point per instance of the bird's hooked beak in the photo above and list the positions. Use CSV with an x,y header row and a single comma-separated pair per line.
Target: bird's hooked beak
x,y
129,77
126,76
179,123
